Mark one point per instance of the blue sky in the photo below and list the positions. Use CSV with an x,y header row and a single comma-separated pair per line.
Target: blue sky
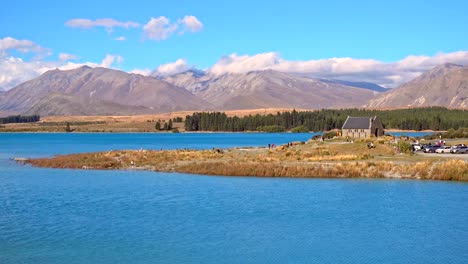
x,y
288,31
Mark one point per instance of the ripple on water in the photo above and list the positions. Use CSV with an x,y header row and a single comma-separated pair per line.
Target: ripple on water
x,y
73,216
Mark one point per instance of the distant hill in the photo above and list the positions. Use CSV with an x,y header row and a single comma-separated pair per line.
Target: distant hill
x,y
97,85
66,105
445,85
269,89
364,85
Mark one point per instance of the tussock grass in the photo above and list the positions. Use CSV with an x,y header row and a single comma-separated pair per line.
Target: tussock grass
x,y
317,170
456,170
334,160
123,159
453,170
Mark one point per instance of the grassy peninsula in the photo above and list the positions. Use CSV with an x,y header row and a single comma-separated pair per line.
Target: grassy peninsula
x,y
335,158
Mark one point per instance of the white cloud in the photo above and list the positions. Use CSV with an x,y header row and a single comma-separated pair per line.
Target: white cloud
x,y
67,57
387,74
144,72
191,23
109,60
108,23
14,71
25,46
237,64
178,66
161,28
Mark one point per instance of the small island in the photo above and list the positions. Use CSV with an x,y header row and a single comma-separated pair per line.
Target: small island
x,y
337,157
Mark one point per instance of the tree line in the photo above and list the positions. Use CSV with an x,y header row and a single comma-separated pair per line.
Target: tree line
x,y
429,118
20,119
167,126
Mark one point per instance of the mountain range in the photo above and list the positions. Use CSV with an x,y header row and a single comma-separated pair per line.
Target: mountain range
x,y
269,89
102,91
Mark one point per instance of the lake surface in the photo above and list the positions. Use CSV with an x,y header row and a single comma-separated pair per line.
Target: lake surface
x,y
409,134
81,216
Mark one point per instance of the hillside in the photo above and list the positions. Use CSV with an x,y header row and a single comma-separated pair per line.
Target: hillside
x,y
445,85
67,105
95,85
269,89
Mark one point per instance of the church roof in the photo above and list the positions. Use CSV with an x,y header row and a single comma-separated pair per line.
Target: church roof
x,y
357,123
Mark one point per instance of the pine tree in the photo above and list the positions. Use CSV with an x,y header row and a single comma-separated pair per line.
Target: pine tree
x,y
68,128
169,126
158,126
418,119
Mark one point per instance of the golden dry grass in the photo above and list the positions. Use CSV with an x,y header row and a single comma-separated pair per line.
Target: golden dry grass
x,y
163,116
456,170
133,123
311,160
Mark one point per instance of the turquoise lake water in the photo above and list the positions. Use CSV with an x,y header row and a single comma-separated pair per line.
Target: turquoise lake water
x,y
409,134
83,216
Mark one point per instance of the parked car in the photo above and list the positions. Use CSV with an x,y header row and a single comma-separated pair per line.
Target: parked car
x,y
424,146
416,146
431,148
443,149
459,150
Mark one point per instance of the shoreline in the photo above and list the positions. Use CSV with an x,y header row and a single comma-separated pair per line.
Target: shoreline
x,y
202,132
312,160
415,131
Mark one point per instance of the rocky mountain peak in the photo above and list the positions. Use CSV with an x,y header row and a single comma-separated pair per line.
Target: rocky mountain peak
x,y
438,71
445,85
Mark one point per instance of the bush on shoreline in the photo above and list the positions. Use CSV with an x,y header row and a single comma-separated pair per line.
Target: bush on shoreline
x,y
404,146
299,129
271,129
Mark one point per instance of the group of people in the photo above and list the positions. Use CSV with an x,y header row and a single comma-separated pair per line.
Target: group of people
x,y
271,146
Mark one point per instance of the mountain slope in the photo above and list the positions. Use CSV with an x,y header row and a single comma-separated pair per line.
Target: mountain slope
x,y
103,85
65,105
445,85
269,89
364,85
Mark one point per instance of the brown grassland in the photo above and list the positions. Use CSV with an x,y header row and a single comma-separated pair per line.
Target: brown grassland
x,y
132,123
332,159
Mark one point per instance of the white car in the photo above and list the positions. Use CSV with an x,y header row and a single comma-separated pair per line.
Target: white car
x,y
459,150
416,146
443,149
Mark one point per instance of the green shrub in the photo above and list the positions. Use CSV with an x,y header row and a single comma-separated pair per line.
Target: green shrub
x,y
404,146
330,134
299,129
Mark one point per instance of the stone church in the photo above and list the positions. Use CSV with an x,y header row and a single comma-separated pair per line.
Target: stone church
x,y
362,127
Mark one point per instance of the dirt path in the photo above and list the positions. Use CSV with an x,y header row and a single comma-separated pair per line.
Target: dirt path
x,y
444,155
